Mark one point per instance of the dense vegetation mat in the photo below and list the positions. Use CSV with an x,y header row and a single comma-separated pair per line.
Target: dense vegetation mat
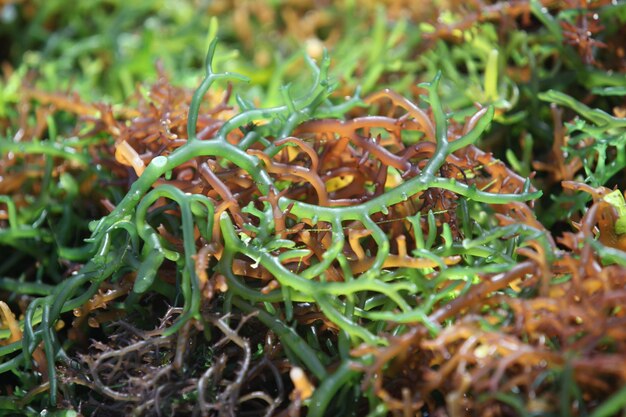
x,y
429,223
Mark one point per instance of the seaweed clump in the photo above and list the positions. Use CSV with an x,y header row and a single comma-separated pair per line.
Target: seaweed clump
x,y
325,256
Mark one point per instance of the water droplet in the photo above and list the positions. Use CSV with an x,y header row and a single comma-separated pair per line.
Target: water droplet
x,y
404,197
159,161
384,209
